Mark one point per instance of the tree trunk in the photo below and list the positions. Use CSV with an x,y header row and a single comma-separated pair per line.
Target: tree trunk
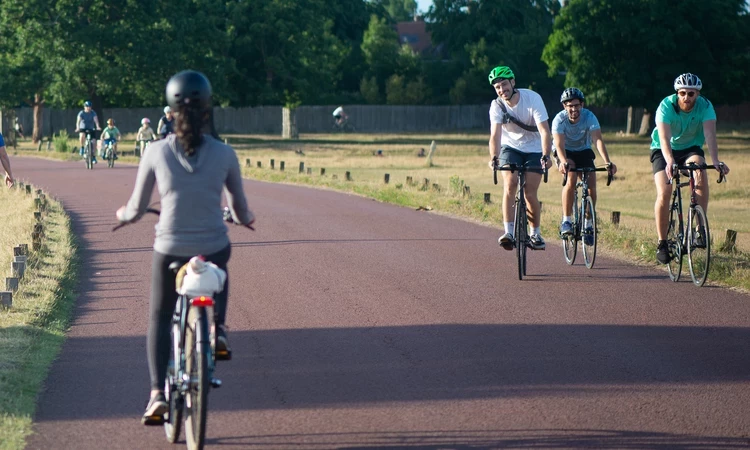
x,y
645,123
631,120
38,105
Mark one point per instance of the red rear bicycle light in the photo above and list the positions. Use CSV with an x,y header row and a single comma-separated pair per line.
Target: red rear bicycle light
x,y
202,301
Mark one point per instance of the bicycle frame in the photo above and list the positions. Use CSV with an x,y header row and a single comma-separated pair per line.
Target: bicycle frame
x,y
521,231
88,148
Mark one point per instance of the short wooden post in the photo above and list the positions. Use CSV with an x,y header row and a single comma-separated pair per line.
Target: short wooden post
x,y
309,170
259,164
273,164
487,197
387,178
11,284
467,191
541,207
322,171
24,249
17,269
730,242
28,189
281,166
425,183
409,181
348,176
435,187
616,218
37,216
38,203
38,192
301,167
247,162
36,245
6,299
18,251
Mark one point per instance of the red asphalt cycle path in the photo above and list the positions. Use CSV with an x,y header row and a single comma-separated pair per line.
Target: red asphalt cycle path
x,y
357,324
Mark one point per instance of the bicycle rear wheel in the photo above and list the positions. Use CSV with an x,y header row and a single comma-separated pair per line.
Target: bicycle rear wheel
x,y
699,245
173,422
521,234
588,232
197,347
674,241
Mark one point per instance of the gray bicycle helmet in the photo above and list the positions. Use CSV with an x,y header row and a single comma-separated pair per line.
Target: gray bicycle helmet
x,y
688,81
188,87
571,94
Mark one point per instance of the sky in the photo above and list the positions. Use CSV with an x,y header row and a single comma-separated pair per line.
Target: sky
x,y
423,5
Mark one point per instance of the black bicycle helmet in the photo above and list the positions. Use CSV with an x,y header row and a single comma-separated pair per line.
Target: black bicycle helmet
x,y
571,94
189,86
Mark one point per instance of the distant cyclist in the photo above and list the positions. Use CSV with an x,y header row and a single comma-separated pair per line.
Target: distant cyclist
x,y
684,122
519,133
340,117
87,120
574,129
166,123
145,135
192,170
110,135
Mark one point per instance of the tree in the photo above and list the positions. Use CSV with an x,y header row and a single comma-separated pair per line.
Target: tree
x,y
399,10
380,48
621,54
486,33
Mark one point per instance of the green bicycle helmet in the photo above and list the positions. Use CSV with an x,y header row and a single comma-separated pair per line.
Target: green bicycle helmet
x,y
500,73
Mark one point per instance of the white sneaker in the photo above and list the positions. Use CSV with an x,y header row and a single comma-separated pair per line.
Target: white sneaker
x,y
537,242
507,241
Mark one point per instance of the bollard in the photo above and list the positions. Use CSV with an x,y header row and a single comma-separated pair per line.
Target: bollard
x,y
6,299
37,216
730,242
38,191
616,218
17,269
273,164
38,203
309,170
348,176
487,197
259,164
11,284
425,183
301,167
281,166
28,189
18,251
247,162
467,191
435,187
322,171
409,181
387,178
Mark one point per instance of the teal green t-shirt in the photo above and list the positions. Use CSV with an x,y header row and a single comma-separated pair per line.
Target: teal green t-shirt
x,y
687,128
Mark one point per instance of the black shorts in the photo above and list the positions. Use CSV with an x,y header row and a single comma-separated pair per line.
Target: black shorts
x,y
511,155
680,156
581,158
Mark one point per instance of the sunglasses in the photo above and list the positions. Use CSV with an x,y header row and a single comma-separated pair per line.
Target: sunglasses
x,y
688,93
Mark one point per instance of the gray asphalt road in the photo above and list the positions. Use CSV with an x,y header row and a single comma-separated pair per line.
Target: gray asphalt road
x,y
357,324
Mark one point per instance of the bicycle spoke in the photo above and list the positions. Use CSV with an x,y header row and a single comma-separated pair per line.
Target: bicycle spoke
x,y
698,245
674,241
588,232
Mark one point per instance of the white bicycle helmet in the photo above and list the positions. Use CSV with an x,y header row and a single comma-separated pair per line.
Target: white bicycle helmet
x,y
167,109
145,120
688,81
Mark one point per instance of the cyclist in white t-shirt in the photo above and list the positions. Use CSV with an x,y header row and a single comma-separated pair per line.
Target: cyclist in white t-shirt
x,y
520,134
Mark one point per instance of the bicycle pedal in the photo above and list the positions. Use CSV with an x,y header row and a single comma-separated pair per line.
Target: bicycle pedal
x,y
215,383
153,420
224,355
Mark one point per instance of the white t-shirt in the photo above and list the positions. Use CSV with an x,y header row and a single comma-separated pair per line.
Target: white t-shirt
x,y
337,111
530,109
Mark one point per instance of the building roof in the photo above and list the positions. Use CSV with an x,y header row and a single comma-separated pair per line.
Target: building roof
x,y
415,34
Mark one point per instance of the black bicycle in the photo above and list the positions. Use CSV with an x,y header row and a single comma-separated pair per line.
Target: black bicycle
x,y
192,360
521,231
585,226
695,239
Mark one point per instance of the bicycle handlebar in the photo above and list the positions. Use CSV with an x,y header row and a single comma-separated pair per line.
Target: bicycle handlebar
x,y
693,167
606,168
512,167
157,212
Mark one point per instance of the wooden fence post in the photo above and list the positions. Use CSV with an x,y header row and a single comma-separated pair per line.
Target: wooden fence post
x,y
11,284
387,178
487,197
616,218
273,164
348,176
259,164
730,241
281,166
247,162
6,299
467,191
322,171
409,181
301,167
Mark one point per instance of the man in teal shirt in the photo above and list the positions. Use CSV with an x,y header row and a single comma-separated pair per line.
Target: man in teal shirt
x,y
684,122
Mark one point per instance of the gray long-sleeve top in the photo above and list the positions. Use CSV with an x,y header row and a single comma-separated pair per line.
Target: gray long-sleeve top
x,y
190,187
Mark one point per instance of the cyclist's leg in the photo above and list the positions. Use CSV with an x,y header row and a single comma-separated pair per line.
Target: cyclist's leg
x,y
163,299
663,192
533,179
510,185
82,140
221,258
697,156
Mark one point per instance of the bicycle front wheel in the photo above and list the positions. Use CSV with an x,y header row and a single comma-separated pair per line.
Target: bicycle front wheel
x,y
197,348
699,245
111,158
521,234
674,241
89,160
588,232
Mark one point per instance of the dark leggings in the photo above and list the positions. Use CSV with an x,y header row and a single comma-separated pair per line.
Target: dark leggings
x,y
163,299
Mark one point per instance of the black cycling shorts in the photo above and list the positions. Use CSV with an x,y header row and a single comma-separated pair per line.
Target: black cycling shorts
x,y
680,156
581,158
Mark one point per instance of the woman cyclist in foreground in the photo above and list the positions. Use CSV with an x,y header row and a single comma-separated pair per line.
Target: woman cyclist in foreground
x,y
192,168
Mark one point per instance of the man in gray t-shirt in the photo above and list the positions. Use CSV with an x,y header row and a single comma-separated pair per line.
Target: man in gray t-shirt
x,y
573,130
87,120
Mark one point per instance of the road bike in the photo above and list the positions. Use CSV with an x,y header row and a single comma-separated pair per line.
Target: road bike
x,y
192,359
88,147
695,238
585,225
344,126
521,231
